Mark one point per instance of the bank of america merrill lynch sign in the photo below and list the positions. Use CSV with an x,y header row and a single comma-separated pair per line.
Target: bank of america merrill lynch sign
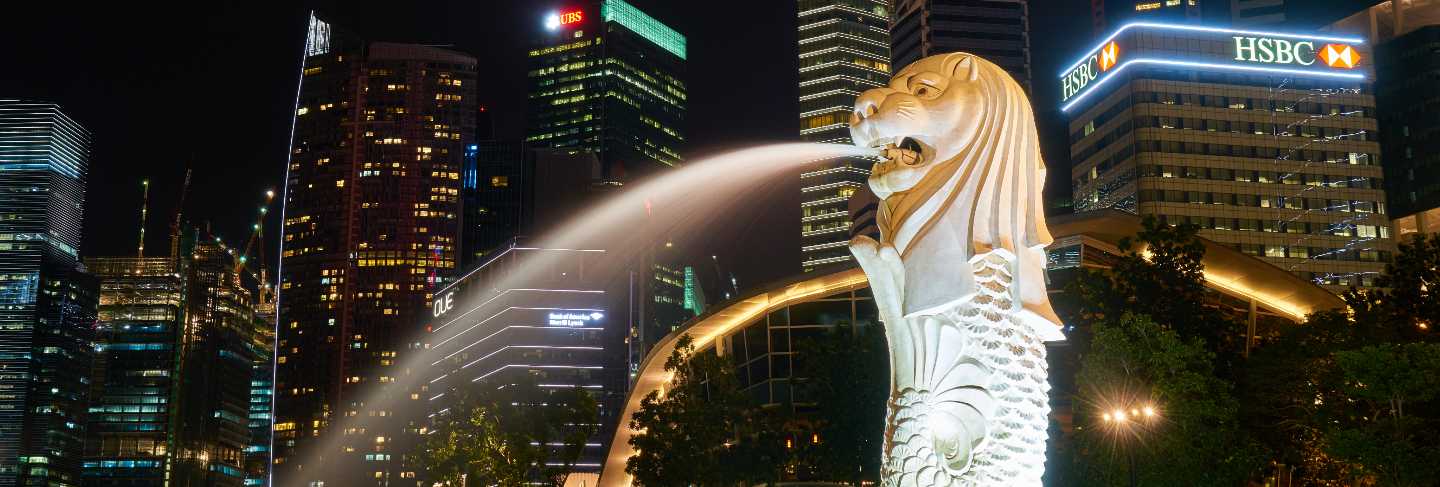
x,y
1218,49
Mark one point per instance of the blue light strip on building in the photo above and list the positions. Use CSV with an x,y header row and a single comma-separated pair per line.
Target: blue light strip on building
x,y
1196,28
1190,64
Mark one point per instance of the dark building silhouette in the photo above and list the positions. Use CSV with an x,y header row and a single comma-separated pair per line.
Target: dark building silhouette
x,y
371,228
997,30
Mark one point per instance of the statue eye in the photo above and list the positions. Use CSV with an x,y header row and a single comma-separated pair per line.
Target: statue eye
x,y
924,90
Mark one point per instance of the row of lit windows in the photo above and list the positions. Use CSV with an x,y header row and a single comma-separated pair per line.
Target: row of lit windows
x,y
1262,201
1247,176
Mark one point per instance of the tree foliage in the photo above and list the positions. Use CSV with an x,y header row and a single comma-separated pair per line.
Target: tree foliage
x,y
1385,439
848,379
1321,394
1159,273
1197,439
704,431
506,437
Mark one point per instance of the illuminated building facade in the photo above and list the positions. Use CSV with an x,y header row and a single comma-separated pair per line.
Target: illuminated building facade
x,y
1267,141
135,383
606,79
371,224
997,30
553,316
1107,15
47,302
844,48
171,381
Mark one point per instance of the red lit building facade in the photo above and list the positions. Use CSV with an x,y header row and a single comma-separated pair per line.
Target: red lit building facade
x,y
370,227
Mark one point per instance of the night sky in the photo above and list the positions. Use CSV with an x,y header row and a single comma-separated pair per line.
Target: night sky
x,y
211,85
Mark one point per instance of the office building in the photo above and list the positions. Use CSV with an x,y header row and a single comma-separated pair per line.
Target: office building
x,y
557,317
844,48
606,79
1257,13
997,30
171,381
1407,97
1108,15
47,302
371,225
514,189
1265,140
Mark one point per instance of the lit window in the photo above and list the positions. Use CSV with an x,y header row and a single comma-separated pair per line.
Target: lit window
x,y
499,181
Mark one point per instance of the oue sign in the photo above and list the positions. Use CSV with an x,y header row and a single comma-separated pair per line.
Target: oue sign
x,y
444,304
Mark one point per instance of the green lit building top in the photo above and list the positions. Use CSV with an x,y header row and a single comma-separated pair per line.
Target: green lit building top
x,y
605,78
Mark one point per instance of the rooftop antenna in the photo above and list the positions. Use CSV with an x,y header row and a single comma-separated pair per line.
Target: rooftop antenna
x,y
144,211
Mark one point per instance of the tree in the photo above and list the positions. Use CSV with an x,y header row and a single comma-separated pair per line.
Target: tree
x,y
1385,438
505,436
847,376
1196,441
1300,401
704,431
1159,273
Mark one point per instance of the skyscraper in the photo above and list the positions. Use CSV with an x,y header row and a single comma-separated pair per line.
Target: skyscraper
x,y
1109,15
371,214
47,303
997,30
1264,140
606,79
1406,95
1249,13
844,48
171,381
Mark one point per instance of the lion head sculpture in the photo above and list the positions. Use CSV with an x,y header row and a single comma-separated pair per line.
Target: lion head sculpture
x,y
962,177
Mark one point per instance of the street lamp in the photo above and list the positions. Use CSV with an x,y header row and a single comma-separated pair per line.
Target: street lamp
x,y
1131,421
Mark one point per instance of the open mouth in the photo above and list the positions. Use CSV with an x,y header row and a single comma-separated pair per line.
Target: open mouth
x,y
903,150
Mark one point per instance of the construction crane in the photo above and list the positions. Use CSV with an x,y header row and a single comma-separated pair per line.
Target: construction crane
x,y
179,209
257,234
144,211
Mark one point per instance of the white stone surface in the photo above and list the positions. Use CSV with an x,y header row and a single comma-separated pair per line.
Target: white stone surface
x,y
958,273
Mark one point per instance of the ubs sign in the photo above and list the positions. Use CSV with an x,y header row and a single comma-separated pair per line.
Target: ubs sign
x,y
1080,76
1269,50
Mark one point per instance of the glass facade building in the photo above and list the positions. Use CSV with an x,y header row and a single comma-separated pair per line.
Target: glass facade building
x,y
1407,92
606,79
556,317
371,227
997,30
171,383
47,303
1267,141
844,49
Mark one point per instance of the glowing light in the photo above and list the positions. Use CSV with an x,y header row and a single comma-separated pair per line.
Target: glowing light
x,y
1190,64
1196,28
1149,411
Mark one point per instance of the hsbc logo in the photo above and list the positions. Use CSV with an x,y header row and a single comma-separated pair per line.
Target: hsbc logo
x,y
1109,55
1339,56
1080,76
1303,53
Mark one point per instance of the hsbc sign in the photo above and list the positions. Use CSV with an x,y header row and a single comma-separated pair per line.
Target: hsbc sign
x,y
1285,51
1081,75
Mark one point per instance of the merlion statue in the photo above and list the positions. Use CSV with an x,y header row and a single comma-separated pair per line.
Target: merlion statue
x,y
958,273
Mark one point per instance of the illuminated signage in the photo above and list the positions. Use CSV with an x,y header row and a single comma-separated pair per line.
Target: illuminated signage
x,y
573,320
1210,49
444,304
564,19
1339,56
1079,77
